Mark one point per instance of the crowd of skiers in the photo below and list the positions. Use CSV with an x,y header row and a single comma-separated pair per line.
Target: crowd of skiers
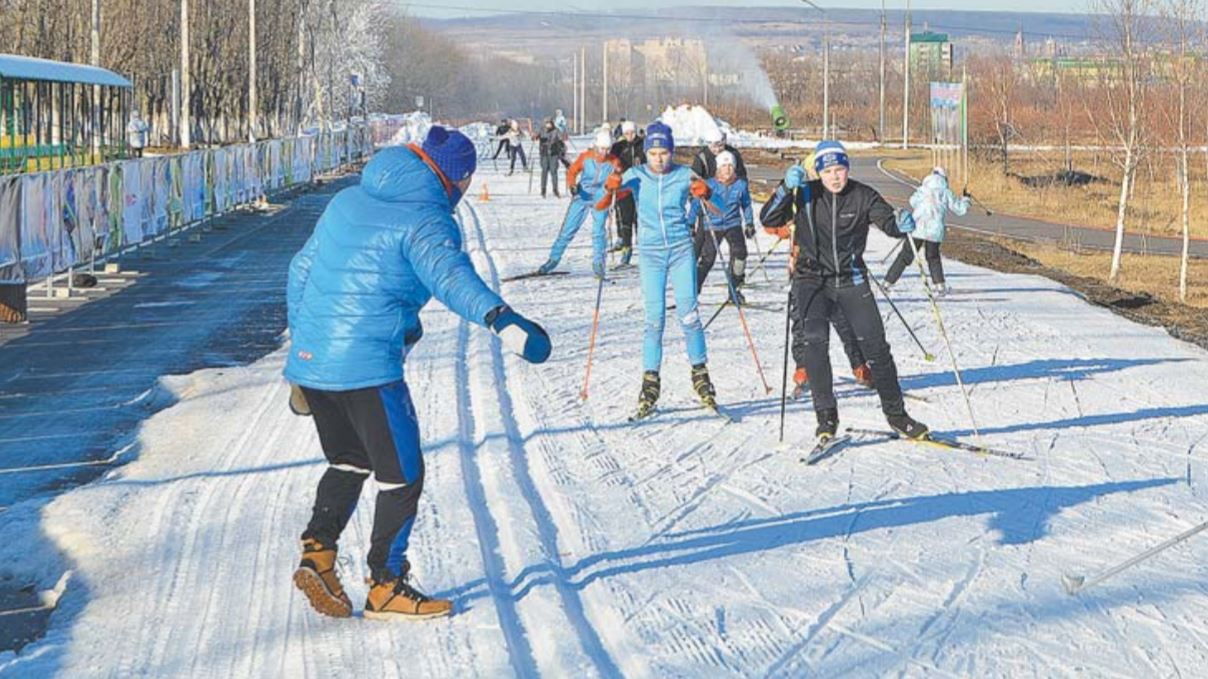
x,y
385,247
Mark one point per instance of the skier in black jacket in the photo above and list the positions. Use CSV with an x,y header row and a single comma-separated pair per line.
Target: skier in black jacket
x,y
831,218
500,130
628,150
705,162
552,148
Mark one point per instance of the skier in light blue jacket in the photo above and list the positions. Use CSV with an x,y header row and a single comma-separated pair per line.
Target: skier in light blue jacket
x,y
929,203
381,250
663,190
733,223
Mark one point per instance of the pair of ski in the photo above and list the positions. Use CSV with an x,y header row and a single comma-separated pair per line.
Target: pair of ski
x,y
538,274
828,446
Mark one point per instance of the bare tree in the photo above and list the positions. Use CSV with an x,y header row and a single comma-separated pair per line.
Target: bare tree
x,y
1126,89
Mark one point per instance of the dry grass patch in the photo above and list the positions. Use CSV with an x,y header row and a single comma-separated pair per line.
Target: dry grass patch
x,y
1154,210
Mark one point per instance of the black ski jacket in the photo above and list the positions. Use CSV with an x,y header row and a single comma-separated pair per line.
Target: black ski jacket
x,y
705,163
630,153
831,232
551,142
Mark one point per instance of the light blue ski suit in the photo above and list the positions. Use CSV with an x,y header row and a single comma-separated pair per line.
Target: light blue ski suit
x,y
666,252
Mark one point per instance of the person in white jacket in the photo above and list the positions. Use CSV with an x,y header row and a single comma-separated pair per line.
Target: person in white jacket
x,y
929,203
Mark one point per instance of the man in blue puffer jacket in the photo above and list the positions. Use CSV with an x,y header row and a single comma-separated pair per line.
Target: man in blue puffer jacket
x,y
663,190
378,254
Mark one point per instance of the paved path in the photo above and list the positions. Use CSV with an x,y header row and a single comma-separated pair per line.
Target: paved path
x,y
82,375
897,189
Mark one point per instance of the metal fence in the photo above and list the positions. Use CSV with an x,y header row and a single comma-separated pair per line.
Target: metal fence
x,y
54,221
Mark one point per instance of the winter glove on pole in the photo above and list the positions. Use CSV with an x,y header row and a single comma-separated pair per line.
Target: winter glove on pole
x,y
519,334
749,231
700,190
794,177
905,221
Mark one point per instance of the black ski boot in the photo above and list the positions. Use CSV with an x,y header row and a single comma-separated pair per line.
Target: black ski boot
x,y
648,396
907,426
703,386
828,423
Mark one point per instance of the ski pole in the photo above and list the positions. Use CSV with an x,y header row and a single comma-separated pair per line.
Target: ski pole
x,y
1076,583
939,321
741,316
755,239
764,257
595,322
979,203
927,355
591,345
784,378
891,251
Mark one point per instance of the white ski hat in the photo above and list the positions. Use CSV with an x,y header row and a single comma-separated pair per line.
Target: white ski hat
x,y
940,171
713,135
725,158
628,126
603,140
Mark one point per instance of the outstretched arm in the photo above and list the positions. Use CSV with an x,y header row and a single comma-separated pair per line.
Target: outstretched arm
x,y
435,254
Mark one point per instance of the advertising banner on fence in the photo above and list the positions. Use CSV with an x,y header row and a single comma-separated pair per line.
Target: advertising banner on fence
x,y
10,238
36,197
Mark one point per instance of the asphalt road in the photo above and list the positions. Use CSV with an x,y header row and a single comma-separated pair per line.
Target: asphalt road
x,y
897,190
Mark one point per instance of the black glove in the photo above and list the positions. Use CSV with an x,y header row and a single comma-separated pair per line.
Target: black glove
x,y
574,190
749,230
965,192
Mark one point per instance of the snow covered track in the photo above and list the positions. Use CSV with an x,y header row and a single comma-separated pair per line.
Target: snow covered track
x,y
576,544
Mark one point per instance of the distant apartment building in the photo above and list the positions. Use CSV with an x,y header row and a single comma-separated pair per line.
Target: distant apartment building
x,y
931,53
657,65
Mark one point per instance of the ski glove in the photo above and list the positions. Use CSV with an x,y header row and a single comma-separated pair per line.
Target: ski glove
x,y
749,230
519,334
574,190
794,177
613,182
700,189
905,221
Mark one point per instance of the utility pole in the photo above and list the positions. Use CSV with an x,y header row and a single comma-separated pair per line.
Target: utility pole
x,y
184,74
825,71
583,89
252,100
906,84
881,118
605,56
95,60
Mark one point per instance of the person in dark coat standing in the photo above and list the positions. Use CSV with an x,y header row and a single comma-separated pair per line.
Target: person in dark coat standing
x,y
628,150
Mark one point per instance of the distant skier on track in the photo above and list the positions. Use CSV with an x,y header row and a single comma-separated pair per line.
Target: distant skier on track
x,y
663,190
831,218
628,150
379,253
929,203
585,180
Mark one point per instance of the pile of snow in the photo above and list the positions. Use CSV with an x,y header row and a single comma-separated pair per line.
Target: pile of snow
x,y
691,124
409,128
479,131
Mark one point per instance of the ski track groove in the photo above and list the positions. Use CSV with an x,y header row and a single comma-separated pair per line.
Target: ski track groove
x,y
547,531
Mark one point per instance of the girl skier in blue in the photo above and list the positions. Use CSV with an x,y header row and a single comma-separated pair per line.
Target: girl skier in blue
x,y
663,190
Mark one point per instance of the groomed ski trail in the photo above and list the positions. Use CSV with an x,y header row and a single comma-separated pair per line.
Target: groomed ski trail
x,y
574,543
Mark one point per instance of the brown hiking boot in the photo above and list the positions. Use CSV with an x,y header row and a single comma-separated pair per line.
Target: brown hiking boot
x,y
397,600
317,578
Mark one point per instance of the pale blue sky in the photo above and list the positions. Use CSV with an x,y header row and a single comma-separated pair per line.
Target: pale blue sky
x,y
429,7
